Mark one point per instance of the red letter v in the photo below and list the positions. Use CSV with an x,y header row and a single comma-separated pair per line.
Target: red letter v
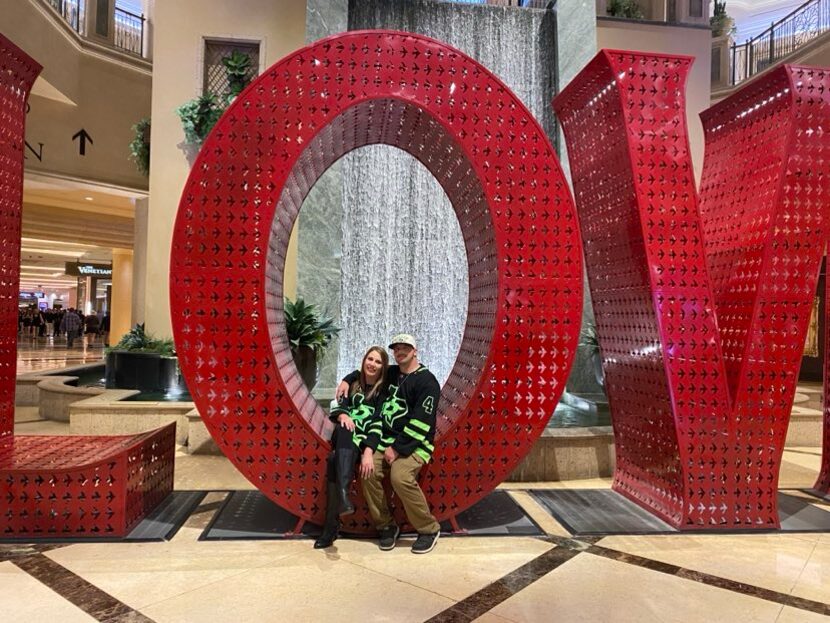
x,y
701,313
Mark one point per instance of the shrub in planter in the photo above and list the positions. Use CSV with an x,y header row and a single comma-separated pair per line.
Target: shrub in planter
x,y
198,117
140,146
238,70
309,332
720,21
141,361
625,8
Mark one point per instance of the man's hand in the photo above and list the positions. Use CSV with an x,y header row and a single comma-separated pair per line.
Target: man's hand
x,y
367,464
390,454
346,422
342,390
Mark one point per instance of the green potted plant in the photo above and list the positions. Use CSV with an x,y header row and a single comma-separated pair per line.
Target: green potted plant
x,y
141,361
238,70
589,340
198,116
625,8
720,21
309,332
140,146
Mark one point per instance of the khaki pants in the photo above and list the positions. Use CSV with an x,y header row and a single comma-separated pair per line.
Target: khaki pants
x,y
403,474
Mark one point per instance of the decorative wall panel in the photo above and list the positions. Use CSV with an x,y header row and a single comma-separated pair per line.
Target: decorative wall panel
x,y
240,204
701,310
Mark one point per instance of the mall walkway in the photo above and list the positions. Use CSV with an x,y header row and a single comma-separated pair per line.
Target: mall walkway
x,y
46,353
684,578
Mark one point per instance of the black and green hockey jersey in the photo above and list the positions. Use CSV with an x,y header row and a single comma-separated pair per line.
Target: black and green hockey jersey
x,y
366,416
409,411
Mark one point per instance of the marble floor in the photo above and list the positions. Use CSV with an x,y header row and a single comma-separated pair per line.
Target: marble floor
x,y
46,353
684,578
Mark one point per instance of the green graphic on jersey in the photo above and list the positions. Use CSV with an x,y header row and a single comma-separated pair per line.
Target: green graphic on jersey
x,y
394,407
361,412
428,405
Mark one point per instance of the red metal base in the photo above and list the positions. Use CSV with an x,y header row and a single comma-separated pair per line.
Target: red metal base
x,y
83,486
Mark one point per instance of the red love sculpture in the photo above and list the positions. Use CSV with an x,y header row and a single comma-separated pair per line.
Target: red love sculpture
x,y
520,233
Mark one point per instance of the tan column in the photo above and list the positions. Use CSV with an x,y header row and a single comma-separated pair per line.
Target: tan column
x,y
122,294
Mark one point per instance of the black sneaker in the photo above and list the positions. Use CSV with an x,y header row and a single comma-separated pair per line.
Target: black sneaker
x,y
425,543
388,536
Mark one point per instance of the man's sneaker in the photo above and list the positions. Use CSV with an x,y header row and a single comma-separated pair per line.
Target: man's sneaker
x,y
388,536
425,543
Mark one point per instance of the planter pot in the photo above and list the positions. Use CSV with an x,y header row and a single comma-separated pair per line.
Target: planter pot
x,y
306,362
144,371
191,151
596,361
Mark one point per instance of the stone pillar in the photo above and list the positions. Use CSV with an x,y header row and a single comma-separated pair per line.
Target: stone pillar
x,y
148,8
122,293
99,21
139,260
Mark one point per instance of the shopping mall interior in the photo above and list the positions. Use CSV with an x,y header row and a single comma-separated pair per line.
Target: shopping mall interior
x,y
124,140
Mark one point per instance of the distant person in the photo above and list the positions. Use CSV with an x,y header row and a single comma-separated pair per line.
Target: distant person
x,y
105,329
91,325
406,445
71,324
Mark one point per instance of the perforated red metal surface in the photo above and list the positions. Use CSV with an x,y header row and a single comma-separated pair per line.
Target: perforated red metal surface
x,y
520,233
701,314
82,486
17,75
58,486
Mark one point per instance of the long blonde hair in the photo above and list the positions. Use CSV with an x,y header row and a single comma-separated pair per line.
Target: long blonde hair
x,y
364,382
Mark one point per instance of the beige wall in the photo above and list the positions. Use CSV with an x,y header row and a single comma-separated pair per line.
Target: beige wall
x,y
665,39
178,42
82,86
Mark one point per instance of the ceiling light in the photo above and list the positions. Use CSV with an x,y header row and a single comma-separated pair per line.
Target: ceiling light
x,y
25,267
59,243
75,254
88,198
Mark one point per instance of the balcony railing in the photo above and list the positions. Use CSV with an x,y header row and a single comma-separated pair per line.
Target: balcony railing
x,y
72,11
781,39
129,31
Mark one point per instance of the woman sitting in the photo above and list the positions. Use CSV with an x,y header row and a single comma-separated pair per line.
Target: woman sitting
x,y
357,430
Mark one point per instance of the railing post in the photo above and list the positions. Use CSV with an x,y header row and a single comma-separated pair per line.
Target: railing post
x,y
733,78
750,52
771,44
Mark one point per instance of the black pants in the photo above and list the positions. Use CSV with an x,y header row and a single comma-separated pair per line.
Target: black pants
x,y
341,439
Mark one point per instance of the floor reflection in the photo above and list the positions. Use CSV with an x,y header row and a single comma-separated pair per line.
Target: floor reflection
x,y
46,353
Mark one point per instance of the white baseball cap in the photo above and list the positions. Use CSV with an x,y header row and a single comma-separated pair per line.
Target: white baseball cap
x,y
403,338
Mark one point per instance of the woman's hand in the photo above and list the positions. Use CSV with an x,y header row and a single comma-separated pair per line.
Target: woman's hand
x,y
367,464
342,390
346,422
